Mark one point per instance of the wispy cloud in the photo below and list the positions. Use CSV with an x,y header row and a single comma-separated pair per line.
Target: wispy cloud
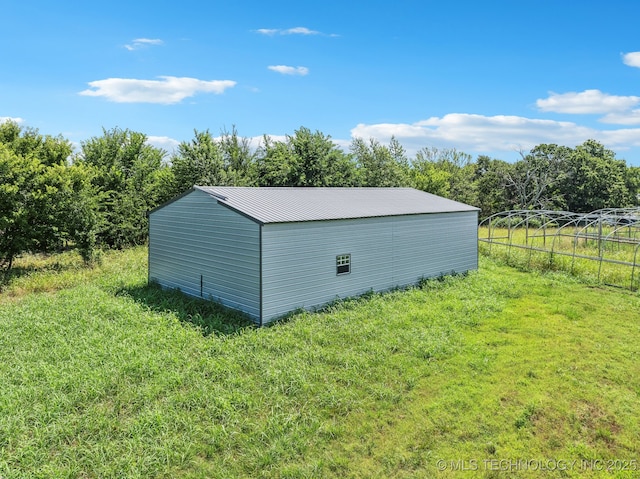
x,y
168,90
631,59
287,31
288,70
268,31
300,31
631,117
292,31
586,102
139,43
483,134
617,109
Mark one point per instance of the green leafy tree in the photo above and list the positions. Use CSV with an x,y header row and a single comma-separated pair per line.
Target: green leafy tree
x,y
632,180
380,165
596,179
73,206
29,142
198,162
42,207
21,198
130,179
318,160
45,203
446,172
490,184
238,158
304,159
206,160
275,165
428,177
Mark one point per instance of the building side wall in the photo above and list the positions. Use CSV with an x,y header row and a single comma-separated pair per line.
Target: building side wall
x,y
433,245
299,259
206,250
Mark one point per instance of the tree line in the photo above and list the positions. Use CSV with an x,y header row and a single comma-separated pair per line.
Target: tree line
x,y
98,197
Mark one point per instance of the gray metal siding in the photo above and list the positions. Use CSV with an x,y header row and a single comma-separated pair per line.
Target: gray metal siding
x,y
434,245
299,259
195,236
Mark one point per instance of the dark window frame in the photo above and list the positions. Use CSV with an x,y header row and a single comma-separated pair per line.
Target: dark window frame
x,y
343,264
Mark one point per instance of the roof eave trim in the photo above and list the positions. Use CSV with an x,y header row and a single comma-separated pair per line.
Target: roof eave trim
x,y
168,202
236,210
424,213
222,200
209,192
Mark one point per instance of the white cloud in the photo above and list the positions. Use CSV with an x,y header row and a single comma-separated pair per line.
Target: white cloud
x,y
586,102
138,43
485,134
300,31
287,70
632,59
164,142
168,90
268,31
17,120
288,31
342,144
631,117
256,142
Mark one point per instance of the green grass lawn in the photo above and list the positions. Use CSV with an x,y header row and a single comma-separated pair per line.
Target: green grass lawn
x,y
484,375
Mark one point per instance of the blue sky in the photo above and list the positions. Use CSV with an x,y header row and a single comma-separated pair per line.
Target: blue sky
x,y
492,77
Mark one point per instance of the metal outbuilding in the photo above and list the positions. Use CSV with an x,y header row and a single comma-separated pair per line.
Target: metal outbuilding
x,y
269,251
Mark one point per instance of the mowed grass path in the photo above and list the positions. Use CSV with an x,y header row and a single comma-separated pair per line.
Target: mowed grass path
x,y
498,373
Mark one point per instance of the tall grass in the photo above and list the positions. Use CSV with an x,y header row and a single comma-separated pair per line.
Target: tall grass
x,y
104,376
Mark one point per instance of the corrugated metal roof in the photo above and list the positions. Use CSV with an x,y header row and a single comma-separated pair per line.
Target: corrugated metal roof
x,y
288,204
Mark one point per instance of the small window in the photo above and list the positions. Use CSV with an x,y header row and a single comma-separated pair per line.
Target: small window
x,y
343,264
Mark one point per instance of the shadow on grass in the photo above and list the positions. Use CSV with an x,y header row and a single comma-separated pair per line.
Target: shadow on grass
x,y
37,263
9,276
210,317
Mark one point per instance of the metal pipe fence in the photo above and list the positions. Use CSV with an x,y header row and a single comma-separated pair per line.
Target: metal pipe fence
x,y
603,244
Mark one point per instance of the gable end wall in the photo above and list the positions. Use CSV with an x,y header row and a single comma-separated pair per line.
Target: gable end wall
x,y
194,236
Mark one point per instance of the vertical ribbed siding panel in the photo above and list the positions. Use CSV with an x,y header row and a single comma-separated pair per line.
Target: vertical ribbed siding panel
x,y
299,259
207,250
299,262
433,245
